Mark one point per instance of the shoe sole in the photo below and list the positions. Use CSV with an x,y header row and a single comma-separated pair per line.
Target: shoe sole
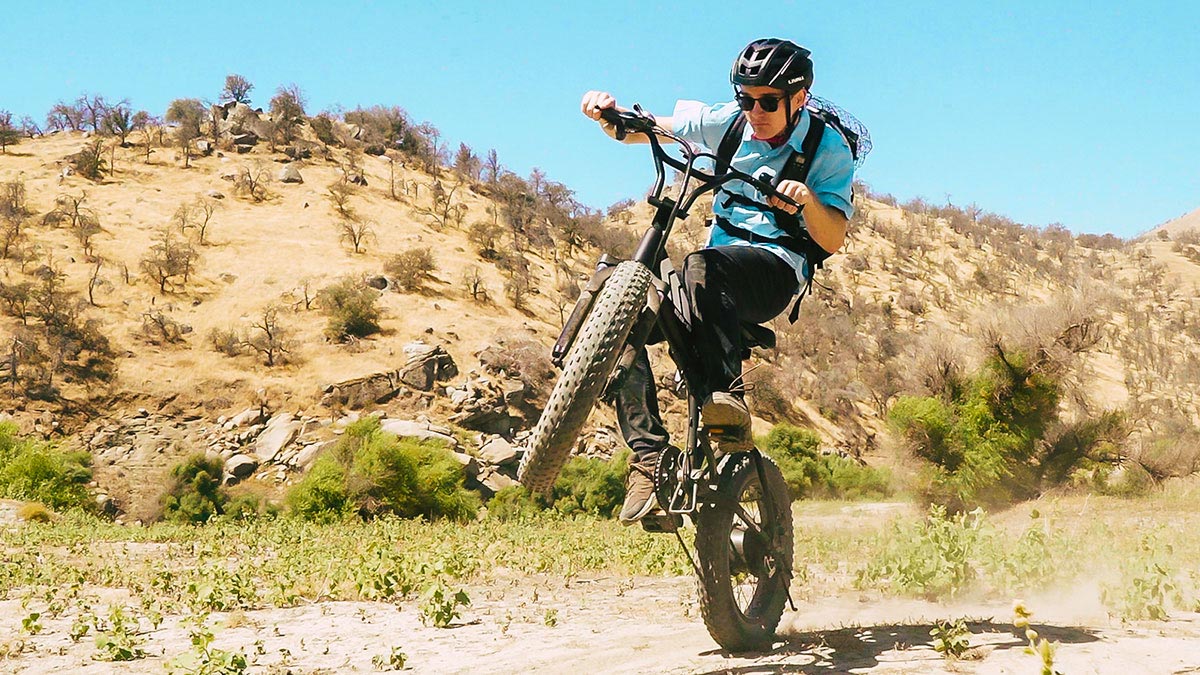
x,y
720,418
650,505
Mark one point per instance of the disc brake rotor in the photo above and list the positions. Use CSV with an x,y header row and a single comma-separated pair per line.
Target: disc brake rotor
x,y
666,475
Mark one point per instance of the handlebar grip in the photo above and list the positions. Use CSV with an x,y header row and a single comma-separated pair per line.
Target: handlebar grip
x,y
613,117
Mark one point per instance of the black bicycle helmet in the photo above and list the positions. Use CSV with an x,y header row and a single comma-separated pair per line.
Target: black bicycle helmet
x,y
772,62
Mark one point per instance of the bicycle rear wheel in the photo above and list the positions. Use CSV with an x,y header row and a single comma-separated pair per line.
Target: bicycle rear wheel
x,y
744,549
586,370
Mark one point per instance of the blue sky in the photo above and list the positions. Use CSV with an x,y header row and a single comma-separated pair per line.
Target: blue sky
x,y
1083,113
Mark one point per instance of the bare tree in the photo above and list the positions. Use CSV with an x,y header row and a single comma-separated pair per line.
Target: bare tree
x,y
472,280
188,113
307,292
393,158
12,199
86,226
287,112
69,209
356,231
11,235
492,167
148,125
183,217
204,209
18,300
94,109
169,259
95,281
443,212
252,181
466,163
29,128
9,134
65,116
268,337
237,88
160,328
339,193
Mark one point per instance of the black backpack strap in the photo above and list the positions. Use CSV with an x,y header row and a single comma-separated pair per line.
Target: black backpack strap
x,y
796,168
730,142
800,163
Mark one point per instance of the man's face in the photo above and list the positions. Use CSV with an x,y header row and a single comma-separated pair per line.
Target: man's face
x,y
769,124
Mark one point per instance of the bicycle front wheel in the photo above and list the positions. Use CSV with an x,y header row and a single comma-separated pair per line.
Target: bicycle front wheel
x,y
586,370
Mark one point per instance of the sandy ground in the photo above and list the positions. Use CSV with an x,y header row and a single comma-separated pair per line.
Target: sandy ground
x,y
639,625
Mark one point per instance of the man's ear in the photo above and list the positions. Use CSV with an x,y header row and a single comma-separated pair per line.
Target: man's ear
x,y
801,99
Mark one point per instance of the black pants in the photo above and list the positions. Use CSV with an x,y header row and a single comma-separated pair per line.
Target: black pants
x,y
727,286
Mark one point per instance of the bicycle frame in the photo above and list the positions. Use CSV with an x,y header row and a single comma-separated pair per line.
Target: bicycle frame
x,y
666,303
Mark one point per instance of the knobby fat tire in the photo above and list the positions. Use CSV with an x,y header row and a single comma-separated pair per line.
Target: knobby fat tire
x,y
585,372
731,627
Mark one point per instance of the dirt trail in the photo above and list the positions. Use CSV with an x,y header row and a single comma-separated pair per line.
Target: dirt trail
x,y
642,625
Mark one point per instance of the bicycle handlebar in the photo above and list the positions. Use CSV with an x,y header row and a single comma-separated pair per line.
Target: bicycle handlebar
x,y
637,121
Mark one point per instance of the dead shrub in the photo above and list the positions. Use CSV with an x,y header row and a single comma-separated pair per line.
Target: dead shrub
x,y
412,268
226,341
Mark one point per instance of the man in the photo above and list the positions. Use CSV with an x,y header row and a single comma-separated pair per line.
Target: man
x,y
753,264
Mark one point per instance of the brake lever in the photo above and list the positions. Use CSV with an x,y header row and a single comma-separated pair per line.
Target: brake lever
x,y
769,179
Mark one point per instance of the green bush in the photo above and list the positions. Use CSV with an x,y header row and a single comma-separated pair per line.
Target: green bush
x,y
245,505
810,474
590,485
321,495
350,306
195,494
587,485
985,436
1127,481
35,471
514,503
372,472
931,559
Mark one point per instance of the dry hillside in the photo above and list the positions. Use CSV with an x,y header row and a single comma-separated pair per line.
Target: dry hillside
x,y
914,281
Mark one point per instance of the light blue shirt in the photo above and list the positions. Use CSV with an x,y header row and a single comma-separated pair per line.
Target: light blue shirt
x,y
830,176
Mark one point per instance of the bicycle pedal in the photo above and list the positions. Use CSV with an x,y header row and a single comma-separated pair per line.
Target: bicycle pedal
x,y
725,432
661,522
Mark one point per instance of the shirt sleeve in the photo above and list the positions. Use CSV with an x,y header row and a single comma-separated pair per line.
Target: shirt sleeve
x,y
831,177
703,124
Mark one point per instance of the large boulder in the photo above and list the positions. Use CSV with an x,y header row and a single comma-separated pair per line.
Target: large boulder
x,y
426,365
281,430
419,430
290,173
241,466
363,391
247,417
308,454
499,452
247,140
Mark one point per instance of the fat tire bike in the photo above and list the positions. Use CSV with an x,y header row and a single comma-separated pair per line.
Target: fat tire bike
x,y
738,502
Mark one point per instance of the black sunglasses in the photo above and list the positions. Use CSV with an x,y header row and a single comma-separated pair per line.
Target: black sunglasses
x,y
768,103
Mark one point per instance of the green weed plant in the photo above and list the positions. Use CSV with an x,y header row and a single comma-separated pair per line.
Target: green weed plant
x,y
370,472
809,474
34,471
951,639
